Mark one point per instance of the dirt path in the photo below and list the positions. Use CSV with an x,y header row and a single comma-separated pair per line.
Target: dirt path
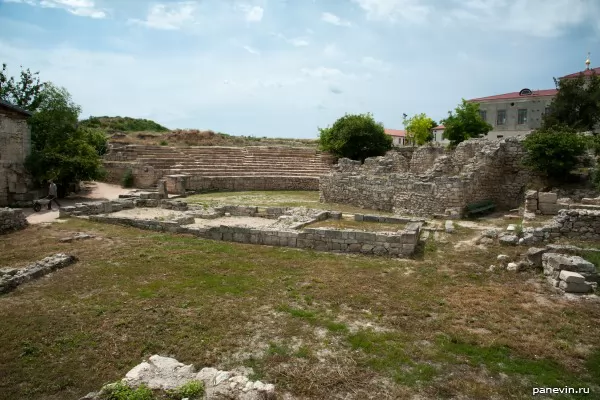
x,y
91,191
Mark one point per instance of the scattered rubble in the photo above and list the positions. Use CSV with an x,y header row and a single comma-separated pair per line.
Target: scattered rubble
x,y
75,237
571,274
10,278
165,373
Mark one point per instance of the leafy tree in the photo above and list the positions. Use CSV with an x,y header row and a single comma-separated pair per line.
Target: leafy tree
x,y
356,137
26,93
465,123
576,105
418,129
554,152
59,149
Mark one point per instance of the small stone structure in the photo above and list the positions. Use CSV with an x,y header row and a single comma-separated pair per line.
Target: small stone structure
x,y
15,146
571,274
213,168
429,180
10,278
12,219
165,373
402,243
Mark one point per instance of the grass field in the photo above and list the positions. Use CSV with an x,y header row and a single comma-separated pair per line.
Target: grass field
x,y
317,325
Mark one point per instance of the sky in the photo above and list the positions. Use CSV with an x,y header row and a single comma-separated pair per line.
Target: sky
x,y
284,68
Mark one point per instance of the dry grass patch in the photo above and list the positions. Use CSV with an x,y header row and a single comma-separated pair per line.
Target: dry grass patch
x,y
357,225
283,198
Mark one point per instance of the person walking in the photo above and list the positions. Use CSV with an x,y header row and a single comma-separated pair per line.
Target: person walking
x,y
52,194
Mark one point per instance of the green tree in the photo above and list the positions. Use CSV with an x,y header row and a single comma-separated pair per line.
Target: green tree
x,y
59,149
554,152
576,105
356,137
26,93
465,123
418,129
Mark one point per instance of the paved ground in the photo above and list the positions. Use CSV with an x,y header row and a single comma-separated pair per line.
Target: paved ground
x,y
92,191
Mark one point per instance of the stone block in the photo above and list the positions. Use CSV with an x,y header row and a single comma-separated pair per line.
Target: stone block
x,y
571,287
550,208
547,197
571,277
531,194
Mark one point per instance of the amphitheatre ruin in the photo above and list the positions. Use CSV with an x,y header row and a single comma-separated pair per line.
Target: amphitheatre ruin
x,y
280,272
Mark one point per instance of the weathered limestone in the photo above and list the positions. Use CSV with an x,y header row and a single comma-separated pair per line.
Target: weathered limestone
x,y
15,146
165,373
12,219
571,274
10,278
575,224
431,181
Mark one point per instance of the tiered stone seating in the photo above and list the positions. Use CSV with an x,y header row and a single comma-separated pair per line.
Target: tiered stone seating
x,y
223,162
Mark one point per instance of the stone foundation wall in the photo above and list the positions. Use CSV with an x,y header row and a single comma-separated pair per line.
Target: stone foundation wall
x,y
432,181
11,219
10,278
385,243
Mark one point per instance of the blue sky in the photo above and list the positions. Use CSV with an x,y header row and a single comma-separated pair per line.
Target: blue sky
x,y
282,68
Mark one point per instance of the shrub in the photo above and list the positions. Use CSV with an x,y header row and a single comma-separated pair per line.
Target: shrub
x,y
128,179
192,390
554,152
164,143
120,391
356,137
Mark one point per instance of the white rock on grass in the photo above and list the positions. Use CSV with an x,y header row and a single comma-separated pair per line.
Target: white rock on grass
x,y
571,277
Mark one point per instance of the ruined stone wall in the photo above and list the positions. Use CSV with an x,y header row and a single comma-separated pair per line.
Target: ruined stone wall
x,y
15,146
575,224
402,243
434,180
11,219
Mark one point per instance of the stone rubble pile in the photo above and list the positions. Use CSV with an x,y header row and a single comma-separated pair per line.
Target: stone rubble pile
x,y
10,278
75,237
571,274
12,219
165,373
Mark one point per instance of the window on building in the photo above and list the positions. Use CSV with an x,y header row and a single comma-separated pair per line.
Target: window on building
x,y
522,116
547,110
499,136
501,117
483,115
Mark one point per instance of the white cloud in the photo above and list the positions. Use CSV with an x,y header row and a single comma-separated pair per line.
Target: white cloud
x,y
168,17
541,18
252,13
376,64
334,19
82,8
326,73
393,10
297,42
332,51
251,50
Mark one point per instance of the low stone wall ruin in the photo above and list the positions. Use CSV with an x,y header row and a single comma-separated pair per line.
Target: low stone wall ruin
x,y
402,243
430,180
575,224
12,219
10,278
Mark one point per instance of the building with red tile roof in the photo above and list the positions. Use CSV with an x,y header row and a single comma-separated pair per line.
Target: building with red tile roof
x,y
519,113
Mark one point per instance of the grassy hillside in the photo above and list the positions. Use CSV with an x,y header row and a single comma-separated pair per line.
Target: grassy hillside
x,y
143,131
122,124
